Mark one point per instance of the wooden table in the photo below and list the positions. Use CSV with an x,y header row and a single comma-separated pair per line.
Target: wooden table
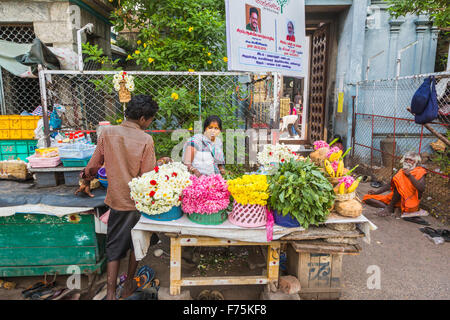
x,y
177,242
310,270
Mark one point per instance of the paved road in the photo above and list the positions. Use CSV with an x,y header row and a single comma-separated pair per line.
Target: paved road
x,y
411,266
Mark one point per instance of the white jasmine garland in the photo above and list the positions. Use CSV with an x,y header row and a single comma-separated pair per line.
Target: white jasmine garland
x,y
159,190
129,81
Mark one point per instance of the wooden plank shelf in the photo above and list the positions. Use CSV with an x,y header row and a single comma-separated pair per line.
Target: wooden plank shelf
x,y
313,233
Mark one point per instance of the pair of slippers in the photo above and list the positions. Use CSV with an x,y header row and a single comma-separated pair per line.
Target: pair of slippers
x,y
210,295
39,290
434,233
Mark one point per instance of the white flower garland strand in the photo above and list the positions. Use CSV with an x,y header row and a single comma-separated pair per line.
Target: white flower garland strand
x,y
272,154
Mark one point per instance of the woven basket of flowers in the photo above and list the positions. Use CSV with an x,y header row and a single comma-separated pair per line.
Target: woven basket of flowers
x,y
157,194
345,190
250,195
206,200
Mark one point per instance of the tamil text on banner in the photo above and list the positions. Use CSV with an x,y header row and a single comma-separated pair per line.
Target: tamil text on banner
x,y
266,36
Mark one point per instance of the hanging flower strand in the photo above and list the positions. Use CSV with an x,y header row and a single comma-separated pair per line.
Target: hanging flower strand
x,y
123,76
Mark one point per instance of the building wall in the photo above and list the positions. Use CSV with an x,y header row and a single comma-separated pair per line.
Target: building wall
x,y
366,29
384,33
55,22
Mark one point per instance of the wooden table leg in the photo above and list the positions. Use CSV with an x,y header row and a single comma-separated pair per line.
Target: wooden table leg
x,y
273,261
175,266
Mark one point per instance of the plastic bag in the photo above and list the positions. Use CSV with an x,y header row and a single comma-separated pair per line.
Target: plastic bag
x,y
76,151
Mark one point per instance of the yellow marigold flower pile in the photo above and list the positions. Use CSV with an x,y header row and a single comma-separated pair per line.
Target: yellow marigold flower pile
x,y
249,189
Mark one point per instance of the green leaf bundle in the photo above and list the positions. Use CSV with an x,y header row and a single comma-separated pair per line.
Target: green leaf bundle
x,y
300,189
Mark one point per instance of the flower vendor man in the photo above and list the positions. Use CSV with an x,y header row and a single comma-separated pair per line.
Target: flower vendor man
x,y
203,153
127,152
406,187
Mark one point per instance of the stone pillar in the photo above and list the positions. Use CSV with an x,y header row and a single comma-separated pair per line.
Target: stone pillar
x,y
395,25
432,49
422,27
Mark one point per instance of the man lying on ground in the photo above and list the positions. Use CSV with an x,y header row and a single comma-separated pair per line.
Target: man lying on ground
x,y
406,187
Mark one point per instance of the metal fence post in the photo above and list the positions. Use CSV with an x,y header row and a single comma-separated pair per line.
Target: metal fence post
x,y
353,127
200,97
43,89
2,95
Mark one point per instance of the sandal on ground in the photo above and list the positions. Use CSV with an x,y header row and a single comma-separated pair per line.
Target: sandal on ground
x,y
417,220
40,295
216,295
376,184
147,271
144,294
39,290
27,292
56,294
204,295
430,231
152,284
444,234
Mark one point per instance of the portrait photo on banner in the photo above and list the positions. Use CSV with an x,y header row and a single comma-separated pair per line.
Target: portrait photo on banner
x,y
253,18
290,36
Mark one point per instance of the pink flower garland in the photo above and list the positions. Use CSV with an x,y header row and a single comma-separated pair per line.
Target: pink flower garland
x,y
347,180
206,195
269,225
320,144
335,165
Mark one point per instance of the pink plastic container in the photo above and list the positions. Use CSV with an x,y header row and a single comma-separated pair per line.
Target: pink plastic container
x,y
248,216
36,162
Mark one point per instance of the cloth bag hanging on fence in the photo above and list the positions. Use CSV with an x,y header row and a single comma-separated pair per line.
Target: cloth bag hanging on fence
x,y
431,110
420,98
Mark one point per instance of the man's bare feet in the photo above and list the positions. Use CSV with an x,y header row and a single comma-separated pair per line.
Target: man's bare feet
x,y
111,297
129,287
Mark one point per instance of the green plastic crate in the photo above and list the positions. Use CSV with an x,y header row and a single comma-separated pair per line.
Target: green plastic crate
x,y
17,149
75,162
34,244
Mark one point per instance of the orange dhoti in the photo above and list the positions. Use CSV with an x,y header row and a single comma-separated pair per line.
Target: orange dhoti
x,y
409,194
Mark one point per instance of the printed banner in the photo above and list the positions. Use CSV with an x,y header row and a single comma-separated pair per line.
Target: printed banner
x,y
266,36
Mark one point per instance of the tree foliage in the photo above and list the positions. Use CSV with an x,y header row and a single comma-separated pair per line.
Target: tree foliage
x,y
438,10
175,35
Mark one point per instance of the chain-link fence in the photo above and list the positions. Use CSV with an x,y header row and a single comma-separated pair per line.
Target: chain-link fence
x,y
89,98
384,130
